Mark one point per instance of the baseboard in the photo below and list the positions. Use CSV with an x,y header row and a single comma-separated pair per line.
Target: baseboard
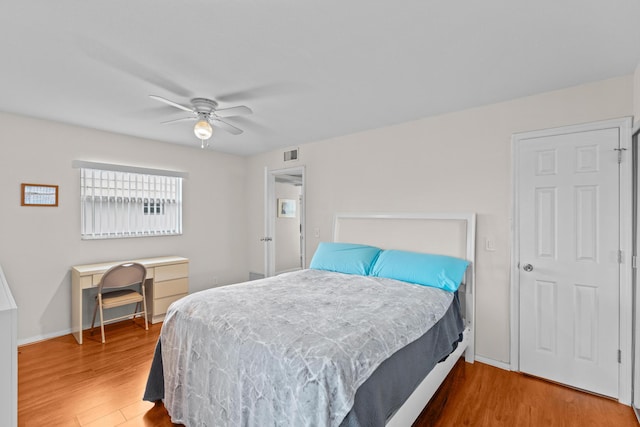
x,y
492,362
38,338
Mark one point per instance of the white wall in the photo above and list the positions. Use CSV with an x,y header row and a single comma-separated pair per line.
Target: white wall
x,y
454,162
39,245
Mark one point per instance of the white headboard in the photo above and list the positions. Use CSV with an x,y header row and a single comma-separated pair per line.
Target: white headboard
x,y
452,234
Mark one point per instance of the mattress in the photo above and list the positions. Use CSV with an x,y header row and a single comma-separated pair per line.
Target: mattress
x,y
305,348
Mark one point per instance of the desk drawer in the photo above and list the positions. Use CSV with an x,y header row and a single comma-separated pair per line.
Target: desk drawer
x,y
170,272
161,305
170,287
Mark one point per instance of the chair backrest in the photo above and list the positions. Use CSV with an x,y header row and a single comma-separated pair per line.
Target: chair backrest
x,y
126,274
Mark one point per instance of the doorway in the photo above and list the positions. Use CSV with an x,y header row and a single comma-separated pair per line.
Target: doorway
x,y
571,273
284,241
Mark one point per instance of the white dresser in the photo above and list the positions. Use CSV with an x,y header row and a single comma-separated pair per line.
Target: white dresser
x,y
8,355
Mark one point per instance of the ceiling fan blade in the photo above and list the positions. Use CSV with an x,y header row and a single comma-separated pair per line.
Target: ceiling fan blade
x,y
226,126
261,91
240,110
184,119
173,104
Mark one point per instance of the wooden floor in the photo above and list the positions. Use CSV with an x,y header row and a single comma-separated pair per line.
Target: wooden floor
x,y
61,383
480,395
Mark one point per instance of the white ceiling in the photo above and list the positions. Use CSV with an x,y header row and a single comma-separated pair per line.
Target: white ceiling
x,y
310,70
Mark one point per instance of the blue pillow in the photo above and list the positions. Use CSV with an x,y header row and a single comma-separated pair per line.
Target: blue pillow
x,y
439,271
346,258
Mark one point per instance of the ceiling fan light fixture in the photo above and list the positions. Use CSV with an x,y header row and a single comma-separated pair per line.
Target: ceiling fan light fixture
x,y
204,111
203,129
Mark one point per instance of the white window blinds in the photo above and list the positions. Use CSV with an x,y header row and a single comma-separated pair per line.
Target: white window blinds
x,y
129,204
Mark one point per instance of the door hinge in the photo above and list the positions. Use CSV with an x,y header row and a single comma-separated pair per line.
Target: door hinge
x,y
634,261
620,150
619,257
619,356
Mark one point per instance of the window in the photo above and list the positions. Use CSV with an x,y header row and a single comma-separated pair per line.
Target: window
x,y
128,203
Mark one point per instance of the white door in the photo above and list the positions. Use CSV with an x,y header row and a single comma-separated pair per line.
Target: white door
x,y
568,224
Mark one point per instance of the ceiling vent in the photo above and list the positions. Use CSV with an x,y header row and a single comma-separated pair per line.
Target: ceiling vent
x,y
291,155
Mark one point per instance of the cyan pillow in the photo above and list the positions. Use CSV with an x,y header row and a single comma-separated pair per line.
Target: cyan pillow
x,y
439,271
346,258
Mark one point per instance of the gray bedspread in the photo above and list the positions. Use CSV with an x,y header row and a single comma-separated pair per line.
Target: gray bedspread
x,y
290,350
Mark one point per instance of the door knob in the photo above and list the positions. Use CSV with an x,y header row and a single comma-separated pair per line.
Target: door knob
x,y
527,267
266,239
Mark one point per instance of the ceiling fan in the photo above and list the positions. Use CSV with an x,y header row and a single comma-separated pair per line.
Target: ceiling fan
x,y
206,113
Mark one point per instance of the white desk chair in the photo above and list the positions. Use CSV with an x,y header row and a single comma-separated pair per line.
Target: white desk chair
x,y
121,276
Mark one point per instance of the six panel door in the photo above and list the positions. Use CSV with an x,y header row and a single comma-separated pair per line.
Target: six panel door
x,y
568,202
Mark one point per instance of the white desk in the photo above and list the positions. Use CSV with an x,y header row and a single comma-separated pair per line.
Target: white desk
x,y
168,276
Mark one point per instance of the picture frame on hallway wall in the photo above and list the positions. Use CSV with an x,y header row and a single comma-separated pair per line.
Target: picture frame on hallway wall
x,y
43,195
286,208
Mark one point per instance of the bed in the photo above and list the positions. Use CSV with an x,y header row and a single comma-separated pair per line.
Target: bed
x,y
352,341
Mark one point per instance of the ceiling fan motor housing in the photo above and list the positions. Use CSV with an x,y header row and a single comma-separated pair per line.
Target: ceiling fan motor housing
x,y
204,105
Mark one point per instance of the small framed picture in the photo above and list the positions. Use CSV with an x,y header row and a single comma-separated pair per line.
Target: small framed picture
x,y
286,208
39,195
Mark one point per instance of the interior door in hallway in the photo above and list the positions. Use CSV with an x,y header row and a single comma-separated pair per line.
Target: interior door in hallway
x,y
284,238
569,258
